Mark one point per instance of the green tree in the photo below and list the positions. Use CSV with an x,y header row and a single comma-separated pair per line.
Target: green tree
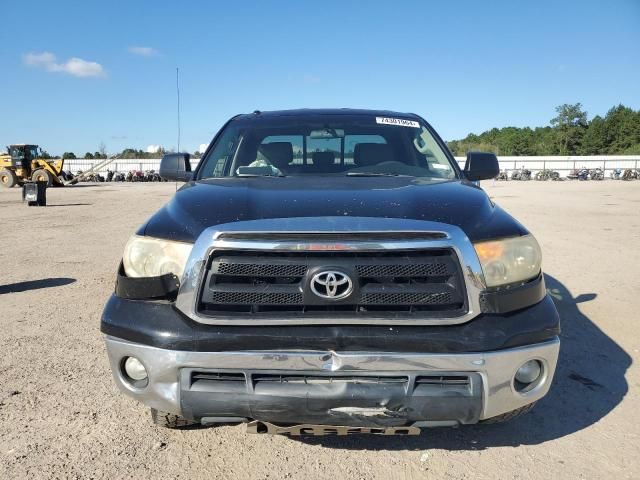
x,y
88,155
571,124
618,132
594,141
621,130
68,155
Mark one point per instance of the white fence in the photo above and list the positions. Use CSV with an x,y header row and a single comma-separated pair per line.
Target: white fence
x,y
561,164
564,165
118,165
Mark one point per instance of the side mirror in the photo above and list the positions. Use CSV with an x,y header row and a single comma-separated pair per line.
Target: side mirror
x,y
481,166
176,166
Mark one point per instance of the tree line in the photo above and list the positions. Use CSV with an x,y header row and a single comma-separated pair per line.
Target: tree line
x,y
569,133
127,153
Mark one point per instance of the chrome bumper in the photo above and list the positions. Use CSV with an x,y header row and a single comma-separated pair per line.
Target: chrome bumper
x,y
497,369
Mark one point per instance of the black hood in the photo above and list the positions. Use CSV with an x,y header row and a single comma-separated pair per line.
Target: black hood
x,y
205,203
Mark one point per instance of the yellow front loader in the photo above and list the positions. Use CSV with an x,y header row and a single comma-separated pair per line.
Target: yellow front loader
x,y
21,164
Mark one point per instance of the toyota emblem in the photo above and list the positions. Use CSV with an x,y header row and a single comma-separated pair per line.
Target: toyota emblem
x,y
331,285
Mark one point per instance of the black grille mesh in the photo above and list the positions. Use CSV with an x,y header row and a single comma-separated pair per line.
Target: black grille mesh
x,y
406,298
250,298
261,270
419,270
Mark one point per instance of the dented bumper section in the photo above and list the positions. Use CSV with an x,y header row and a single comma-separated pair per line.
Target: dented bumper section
x,y
377,390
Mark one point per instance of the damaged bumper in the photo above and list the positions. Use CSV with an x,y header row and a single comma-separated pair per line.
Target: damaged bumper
x,y
325,387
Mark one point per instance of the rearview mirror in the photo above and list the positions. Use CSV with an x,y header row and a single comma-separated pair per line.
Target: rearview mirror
x,y
176,166
326,133
481,166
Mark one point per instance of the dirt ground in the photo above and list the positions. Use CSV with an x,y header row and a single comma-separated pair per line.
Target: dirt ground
x,y
61,415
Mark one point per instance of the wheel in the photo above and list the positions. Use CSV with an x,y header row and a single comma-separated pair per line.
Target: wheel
x,y
42,175
170,420
8,178
505,417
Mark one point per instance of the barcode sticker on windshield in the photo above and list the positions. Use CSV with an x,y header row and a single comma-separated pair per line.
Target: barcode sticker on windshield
x,y
397,121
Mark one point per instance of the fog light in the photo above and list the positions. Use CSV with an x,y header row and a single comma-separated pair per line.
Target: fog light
x,y
529,372
134,369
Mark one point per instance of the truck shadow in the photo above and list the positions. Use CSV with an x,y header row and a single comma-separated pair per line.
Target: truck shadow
x,y
589,383
35,284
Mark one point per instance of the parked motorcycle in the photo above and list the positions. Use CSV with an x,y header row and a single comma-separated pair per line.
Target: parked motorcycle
x,y
523,174
579,174
151,176
616,173
630,174
596,174
503,175
543,175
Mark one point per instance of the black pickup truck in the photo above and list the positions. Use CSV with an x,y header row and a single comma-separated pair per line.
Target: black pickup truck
x,y
331,271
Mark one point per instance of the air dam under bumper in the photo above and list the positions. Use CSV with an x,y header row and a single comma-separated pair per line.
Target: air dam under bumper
x,y
334,388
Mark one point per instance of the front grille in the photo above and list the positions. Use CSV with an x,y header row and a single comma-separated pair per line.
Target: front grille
x,y
327,379
425,283
211,379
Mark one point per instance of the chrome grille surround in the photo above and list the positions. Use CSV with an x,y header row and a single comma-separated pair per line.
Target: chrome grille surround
x,y
305,236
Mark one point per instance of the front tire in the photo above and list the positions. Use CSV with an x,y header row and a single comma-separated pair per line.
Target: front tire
x,y
170,420
8,178
506,417
42,175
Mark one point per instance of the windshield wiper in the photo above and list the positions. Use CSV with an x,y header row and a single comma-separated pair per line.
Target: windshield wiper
x,y
375,174
260,175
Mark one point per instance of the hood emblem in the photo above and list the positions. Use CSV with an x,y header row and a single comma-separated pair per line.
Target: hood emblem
x,y
331,285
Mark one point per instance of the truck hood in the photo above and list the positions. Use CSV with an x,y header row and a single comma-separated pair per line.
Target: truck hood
x,y
202,204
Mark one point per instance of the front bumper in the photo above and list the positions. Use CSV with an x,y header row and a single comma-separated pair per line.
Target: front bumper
x,y
319,387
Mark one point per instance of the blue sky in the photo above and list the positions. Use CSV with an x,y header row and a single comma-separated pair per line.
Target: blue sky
x,y
75,74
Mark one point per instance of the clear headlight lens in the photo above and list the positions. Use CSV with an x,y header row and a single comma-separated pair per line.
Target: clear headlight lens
x,y
152,257
510,260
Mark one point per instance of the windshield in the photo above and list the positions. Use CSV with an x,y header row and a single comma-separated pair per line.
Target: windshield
x,y
338,145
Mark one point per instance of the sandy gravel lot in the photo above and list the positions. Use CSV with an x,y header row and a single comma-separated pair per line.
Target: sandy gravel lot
x,y
62,417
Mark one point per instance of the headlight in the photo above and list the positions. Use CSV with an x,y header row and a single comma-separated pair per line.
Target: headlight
x,y
152,257
510,260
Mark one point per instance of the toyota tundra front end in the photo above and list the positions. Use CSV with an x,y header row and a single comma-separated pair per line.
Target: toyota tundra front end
x,y
331,271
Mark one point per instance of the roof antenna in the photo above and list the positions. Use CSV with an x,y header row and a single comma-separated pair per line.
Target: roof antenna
x,y
178,97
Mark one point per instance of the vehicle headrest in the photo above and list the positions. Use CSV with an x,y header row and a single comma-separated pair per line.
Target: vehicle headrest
x,y
323,159
279,154
367,154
